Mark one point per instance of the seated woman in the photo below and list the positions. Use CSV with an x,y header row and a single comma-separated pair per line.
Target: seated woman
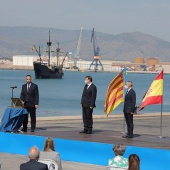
x,y
119,161
49,152
134,162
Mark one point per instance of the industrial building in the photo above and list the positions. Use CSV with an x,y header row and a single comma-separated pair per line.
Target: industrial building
x,y
24,60
27,60
139,64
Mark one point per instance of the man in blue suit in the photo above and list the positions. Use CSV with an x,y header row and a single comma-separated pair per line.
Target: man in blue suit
x,y
129,108
30,97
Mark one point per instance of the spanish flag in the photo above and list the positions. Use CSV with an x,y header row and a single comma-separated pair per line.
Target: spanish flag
x,y
154,95
114,94
33,48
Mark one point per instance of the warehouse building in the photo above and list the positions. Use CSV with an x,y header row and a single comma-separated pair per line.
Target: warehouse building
x,y
24,60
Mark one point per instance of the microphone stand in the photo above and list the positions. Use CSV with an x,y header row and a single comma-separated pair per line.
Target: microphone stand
x,y
12,94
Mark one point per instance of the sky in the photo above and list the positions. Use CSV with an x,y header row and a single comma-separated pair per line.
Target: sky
x,y
108,16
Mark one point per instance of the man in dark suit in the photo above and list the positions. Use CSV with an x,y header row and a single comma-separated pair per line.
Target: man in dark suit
x,y
30,97
129,108
88,103
34,155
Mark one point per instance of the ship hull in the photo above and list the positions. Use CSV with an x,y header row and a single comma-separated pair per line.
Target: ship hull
x,y
43,72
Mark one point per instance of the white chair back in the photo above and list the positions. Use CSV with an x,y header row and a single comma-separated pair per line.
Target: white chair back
x,y
115,168
52,165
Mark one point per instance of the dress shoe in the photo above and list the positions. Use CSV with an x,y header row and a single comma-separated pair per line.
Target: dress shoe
x,y
125,136
32,130
89,132
130,136
24,130
83,131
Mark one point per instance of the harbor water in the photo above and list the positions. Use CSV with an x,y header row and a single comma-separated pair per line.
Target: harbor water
x,y
61,97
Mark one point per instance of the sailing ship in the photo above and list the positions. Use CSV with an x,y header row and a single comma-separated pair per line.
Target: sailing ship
x,y
46,70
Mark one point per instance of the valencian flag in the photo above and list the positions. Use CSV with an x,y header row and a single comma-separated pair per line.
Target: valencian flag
x,y
114,94
154,95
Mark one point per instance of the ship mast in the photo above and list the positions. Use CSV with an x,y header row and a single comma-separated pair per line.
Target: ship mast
x,y
39,53
58,51
49,44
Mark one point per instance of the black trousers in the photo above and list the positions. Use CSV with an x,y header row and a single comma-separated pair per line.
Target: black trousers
x,y
32,112
129,122
87,118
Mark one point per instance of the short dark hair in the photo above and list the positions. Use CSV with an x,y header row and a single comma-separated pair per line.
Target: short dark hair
x,y
89,77
130,83
28,75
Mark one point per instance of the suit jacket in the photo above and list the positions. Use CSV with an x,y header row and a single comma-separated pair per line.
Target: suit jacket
x,y
33,165
52,155
130,102
89,96
31,98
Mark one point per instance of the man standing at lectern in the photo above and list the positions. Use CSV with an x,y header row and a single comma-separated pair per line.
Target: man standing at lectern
x,y
88,103
30,97
129,108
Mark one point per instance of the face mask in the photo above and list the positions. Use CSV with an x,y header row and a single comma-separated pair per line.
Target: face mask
x,y
85,81
125,86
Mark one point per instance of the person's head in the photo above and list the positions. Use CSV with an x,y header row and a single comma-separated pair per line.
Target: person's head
x,y
88,79
28,79
119,149
129,84
134,162
34,153
49,145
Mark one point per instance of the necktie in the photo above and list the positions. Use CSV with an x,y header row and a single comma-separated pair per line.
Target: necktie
x,y
28,87
127,92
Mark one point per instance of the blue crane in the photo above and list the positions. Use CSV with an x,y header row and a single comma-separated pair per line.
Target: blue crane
x,y
96,62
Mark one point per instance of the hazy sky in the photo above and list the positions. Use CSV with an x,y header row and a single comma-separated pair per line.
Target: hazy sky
x,y
109,16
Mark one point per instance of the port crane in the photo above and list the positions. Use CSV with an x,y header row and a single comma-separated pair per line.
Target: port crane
x,y
96,62
77,52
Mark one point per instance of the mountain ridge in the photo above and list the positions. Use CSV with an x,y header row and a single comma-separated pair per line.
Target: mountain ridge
x,y
125,46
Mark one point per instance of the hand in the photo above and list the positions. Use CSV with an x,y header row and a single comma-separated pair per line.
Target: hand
x,y
36,106
132,113
81,105
91,107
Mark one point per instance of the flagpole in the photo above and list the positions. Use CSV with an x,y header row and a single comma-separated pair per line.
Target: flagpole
x,y
161,113
161,123
124,123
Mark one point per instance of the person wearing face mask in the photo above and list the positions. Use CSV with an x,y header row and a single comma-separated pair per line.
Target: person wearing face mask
x,y
129,108
88,103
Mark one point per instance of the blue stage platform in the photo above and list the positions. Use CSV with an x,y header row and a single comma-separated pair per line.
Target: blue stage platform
x,y
84,152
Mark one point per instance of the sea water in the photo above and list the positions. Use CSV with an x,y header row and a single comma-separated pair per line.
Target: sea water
x,y
61,97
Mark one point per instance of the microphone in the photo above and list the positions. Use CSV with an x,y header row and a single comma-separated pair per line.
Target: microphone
x,y
13,87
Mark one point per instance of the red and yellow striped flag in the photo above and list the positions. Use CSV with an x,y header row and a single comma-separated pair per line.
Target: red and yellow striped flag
x,y
114,95
154,95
